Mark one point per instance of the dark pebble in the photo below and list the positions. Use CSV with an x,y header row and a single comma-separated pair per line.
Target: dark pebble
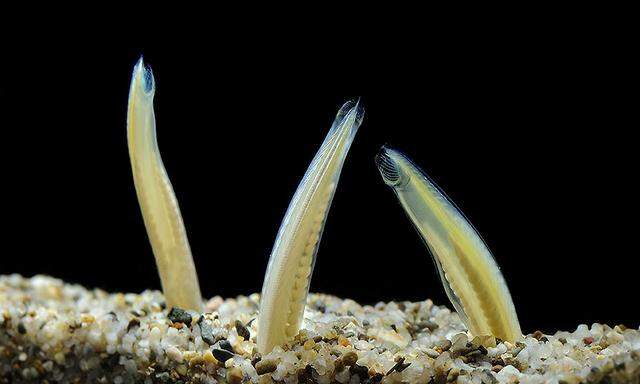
x,y
179,315
362,372
133,324
242,330
266,366
206,332
498,361
375,378
21,329
226,345
221,355
538,335
306,375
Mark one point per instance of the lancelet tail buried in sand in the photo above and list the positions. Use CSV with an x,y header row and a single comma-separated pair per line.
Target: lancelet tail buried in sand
x,y
158,203
469,273
292,259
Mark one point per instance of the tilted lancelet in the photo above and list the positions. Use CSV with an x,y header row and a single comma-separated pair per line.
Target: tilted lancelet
x,y
469,273
292,259
158,203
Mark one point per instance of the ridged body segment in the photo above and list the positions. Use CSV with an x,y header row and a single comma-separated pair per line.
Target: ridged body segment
x,y
292,259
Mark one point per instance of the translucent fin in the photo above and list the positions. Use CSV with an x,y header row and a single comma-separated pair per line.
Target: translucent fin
x,y
158,203
469,273
286,283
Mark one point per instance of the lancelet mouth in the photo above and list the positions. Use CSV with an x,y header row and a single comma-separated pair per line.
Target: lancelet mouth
x,y
388,168
147,81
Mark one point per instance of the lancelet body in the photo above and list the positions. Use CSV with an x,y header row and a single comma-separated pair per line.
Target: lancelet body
x,y
469,273
292,259
157,201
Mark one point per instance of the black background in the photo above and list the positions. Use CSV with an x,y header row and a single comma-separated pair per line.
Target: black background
x,y
535,144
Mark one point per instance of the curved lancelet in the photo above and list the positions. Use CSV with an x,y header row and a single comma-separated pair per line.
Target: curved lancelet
x,y
158,203
292,259
469,273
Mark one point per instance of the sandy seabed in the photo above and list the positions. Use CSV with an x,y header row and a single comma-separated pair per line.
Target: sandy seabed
x,y
53,332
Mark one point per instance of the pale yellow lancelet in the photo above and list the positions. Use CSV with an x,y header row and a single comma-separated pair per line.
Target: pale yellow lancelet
x,y
158,203
469,273
286,283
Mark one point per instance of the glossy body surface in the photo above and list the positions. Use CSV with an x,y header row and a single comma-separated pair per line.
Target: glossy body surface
x,y
472,279
292,259
157,200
